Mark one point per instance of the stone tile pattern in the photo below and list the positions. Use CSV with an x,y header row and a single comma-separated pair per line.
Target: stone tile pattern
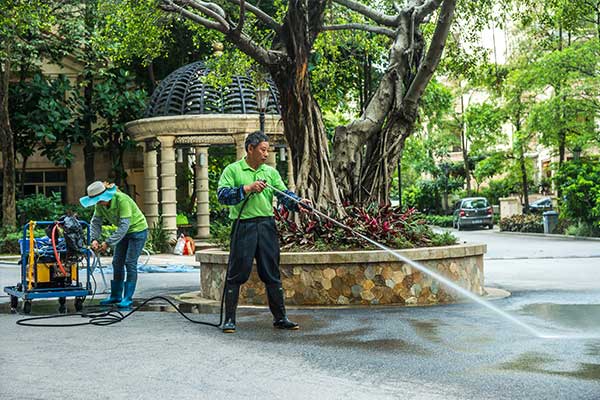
x,y
346,278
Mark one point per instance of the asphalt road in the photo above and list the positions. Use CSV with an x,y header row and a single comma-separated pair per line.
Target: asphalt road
x,y
459,351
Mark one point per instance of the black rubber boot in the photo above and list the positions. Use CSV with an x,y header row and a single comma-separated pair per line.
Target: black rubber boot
x,y
232,294
277,307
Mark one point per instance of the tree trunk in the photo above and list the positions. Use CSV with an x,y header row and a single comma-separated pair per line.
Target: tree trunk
x,y
302,120
464,144
9,214
524,178
88,148
389,117
23,169
305,133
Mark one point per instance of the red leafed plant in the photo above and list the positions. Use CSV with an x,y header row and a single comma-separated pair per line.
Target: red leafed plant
x,y
387,225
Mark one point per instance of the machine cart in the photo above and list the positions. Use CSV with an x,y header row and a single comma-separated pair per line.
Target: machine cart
x,y
50,265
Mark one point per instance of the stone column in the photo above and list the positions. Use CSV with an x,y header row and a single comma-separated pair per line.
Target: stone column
x,y
290,170
240,149
150,185
202,207
169,185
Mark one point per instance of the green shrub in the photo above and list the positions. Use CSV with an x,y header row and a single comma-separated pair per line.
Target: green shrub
x,y
523,223
444,221
39,208
158,239
579,182
443,239
581,229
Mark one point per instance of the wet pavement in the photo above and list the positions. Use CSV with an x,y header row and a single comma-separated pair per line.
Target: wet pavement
x,y
460,351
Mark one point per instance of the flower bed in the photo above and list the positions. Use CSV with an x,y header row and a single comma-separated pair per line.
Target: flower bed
x,y
356,277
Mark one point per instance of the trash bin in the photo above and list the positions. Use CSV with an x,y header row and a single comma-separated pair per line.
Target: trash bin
x,y
550,221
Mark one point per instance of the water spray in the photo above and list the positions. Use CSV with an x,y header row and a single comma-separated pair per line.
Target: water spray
x,y
421,268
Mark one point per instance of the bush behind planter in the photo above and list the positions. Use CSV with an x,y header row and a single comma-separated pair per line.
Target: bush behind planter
x,y
390,226
530,223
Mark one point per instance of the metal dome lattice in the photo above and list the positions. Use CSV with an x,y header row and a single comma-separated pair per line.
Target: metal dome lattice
x,y
184,92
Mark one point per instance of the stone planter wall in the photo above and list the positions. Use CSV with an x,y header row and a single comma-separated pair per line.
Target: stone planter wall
x,y
356,277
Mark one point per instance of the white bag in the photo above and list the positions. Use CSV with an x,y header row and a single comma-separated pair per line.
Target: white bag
x,y
179,245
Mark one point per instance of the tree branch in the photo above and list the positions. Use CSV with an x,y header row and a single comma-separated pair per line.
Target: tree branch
x,y
261,15
432,58
240,24
367,11
361,27
427,8
208,9
170,6
242,41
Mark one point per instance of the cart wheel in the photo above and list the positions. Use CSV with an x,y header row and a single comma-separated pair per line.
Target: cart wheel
x,y
14,303
79,303
27,307
62,307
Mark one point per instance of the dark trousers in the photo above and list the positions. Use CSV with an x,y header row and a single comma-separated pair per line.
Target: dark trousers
x,y
256,238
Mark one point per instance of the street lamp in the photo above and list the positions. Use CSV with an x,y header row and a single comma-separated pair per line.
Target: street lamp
x,y
262,101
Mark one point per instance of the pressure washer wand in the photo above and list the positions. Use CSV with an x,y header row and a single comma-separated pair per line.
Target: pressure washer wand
x,y
417,266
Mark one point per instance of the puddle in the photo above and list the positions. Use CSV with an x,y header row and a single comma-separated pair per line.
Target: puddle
x,y
573,316
539,363
427,329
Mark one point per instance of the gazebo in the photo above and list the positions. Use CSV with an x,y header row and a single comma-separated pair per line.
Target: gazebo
x,y
186,112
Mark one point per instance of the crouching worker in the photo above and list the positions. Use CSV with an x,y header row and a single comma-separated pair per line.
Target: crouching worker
x,y
255,236
116,208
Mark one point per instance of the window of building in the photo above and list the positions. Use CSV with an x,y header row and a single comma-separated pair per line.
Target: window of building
x,y
44,182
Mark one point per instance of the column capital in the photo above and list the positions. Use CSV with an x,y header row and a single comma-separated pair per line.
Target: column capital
x,y
166,141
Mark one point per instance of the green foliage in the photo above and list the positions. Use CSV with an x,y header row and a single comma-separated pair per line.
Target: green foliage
x,y
132,29
443,221
158,239
220,233
117,100
532,223
484,127
39,208
582,229
579,182
219,157
490,166
443,239
42,114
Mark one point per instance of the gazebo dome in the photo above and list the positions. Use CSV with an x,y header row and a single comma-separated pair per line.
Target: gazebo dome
x,y
183,92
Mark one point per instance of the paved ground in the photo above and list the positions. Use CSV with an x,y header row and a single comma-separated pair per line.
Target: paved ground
x,y
447,352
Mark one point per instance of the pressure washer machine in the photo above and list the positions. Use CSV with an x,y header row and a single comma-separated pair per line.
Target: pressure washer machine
x,y
50,266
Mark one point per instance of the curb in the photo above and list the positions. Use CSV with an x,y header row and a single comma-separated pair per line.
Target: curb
x,y
550,235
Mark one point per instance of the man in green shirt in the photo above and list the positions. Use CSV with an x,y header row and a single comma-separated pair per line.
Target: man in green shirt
x,y
116,208
243,186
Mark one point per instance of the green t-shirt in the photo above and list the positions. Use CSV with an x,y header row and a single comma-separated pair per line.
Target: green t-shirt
x,y
122,206
260,204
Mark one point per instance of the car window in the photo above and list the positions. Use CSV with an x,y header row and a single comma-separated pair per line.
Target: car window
x,y
475,203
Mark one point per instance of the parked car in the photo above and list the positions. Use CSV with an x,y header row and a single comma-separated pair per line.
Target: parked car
x,y
541,205
473,211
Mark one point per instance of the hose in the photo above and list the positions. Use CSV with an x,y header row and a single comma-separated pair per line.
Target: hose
x,y
56,255
106,318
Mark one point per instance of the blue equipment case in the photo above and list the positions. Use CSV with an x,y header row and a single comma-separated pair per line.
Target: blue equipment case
x,y
75,289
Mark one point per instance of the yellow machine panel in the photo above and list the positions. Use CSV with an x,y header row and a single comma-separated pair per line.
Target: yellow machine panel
x,y
43,273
